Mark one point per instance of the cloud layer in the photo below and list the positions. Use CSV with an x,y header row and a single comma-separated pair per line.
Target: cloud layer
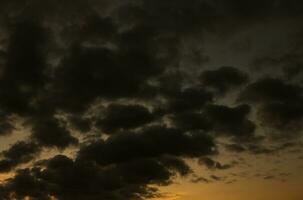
x,y
114,80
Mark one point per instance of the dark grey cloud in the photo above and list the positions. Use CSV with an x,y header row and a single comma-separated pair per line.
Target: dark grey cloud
x,y
80,123
257,147
150,142
6,126
231,121
23,74
123,117
271,90
200,179
103,74
223,79
189,99
269,177
192,121
212,164
68,179
279,103
60,60
51,133
289,64
18,153
217,178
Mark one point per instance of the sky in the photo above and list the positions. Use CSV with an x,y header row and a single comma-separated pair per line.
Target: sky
x,y
151,100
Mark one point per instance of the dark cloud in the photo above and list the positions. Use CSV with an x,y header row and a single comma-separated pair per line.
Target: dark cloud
x,y
176,164
279,103
60,60
191,121
258,10
96,30
68,179
282,116
212,164
271,90
217,178
293,71
221,120
24,72
6,126
231,121
123,117
289,64
52,133
72,78
257,147
223,79
80,123
200,179
189,99
23,185
151,142
107,73
21,152
269,177
163,15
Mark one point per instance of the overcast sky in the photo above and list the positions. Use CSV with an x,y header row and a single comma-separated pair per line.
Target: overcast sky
x,y
151,99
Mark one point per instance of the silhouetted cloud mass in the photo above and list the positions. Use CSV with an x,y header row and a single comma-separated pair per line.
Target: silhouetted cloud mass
x,y
129,88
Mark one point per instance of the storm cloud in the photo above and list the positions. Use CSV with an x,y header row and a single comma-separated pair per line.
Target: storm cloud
x,y
129,88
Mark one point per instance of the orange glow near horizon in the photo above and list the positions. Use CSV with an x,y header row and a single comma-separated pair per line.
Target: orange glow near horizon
x,y
249,187
248,190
